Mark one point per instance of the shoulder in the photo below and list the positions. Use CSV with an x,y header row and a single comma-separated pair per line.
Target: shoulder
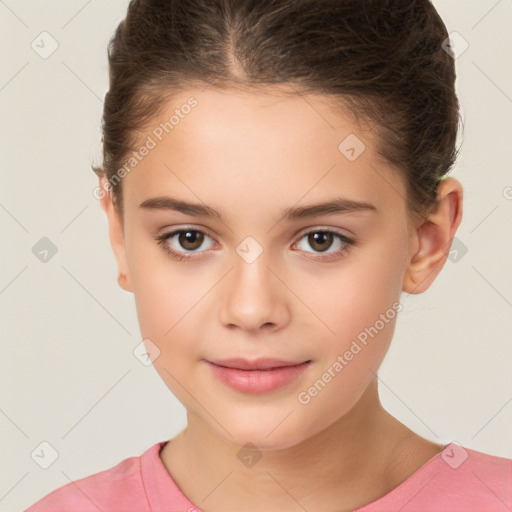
x,y
119,488
458,479
462,479
460,463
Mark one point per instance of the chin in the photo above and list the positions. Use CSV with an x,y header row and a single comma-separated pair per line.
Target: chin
x,y
264,431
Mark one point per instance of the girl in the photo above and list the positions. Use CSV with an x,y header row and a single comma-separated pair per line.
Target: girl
x,y
274,177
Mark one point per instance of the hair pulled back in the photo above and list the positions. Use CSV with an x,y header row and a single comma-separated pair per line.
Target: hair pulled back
x,y
383,58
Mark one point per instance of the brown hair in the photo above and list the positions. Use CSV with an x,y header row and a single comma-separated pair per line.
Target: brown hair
x,y
383,58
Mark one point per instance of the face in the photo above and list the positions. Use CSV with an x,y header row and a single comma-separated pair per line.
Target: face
x,y
254,281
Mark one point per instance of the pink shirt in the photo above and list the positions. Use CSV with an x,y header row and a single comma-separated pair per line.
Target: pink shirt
x,y
456,480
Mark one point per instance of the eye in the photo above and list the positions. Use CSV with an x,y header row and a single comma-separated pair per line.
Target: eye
x,y
181,244
321,240
189,239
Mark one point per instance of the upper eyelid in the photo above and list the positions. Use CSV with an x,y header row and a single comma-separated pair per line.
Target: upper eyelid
x,y
300,234
173,232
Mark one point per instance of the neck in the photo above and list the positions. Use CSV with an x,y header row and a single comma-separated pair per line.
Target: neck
x,y
346,466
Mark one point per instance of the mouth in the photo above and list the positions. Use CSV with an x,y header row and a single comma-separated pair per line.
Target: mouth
x,y
255,364
257,376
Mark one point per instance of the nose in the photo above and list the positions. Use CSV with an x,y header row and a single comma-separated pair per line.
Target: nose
x,y
254,298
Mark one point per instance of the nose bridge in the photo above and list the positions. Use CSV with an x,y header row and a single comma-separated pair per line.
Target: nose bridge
x,y
253,296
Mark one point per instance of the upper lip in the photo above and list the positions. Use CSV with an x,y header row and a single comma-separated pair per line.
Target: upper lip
x,y
254,364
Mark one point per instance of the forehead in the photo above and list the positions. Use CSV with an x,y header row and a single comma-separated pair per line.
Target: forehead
x,y
264,147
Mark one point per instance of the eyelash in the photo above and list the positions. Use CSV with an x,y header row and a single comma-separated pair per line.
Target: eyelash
x,y
163,241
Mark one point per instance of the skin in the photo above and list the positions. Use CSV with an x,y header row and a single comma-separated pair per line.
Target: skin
x,y
250,155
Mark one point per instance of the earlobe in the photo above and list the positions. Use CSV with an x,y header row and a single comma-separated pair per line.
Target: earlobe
x,y
434,237
116,236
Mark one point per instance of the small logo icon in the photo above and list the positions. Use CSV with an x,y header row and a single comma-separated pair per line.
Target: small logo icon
x,y
44,455
44,250
351,147
249,455
457,250
44,45
455,45
146,352
454,455
249,250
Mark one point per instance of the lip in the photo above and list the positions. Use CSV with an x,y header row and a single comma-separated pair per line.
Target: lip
x,y
262,363
257,376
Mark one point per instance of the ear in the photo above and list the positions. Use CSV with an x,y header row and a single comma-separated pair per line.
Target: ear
x,y
116,232
432,238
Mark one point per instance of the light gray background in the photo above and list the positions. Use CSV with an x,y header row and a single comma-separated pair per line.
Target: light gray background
x,y
68,373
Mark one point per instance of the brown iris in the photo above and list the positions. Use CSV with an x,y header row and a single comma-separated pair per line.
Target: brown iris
x,y
320,238
190,237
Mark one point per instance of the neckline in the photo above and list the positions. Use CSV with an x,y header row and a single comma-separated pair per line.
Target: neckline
x,y
157,497
404,485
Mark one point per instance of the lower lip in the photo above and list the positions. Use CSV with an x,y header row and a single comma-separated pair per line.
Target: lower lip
x,y
257,381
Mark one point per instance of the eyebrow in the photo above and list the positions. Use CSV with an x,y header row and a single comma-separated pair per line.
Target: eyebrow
x,y
336,205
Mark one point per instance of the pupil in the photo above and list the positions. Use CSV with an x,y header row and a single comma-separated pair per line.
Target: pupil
x,y
190,237
323,237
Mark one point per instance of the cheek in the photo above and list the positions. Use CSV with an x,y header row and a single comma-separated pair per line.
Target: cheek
x,y
166,295
165,304
166,307
360,305
160,286
353,296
